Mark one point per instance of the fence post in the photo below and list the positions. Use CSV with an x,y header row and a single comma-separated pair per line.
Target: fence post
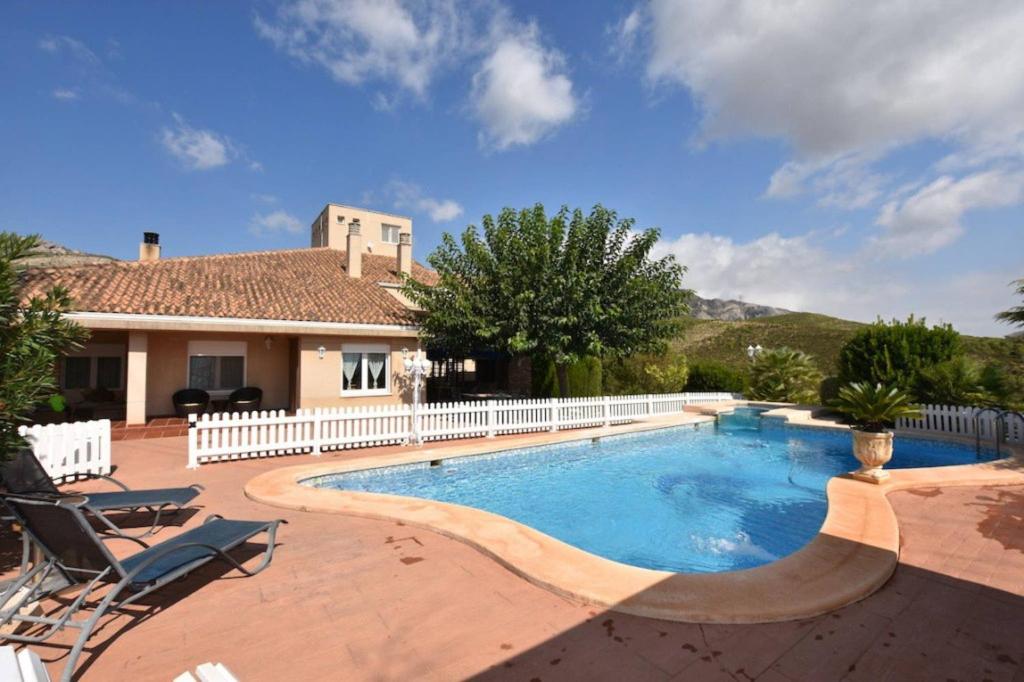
x,y
607,406
104,449
317,431
650,405
490,419
554,413
193,442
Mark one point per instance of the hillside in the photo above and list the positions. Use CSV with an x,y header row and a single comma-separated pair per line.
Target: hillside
x,y
820,335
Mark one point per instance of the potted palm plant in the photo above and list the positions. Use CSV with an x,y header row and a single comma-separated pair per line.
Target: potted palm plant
x,y
873,409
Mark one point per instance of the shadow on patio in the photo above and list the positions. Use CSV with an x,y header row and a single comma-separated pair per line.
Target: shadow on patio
x,y
922,625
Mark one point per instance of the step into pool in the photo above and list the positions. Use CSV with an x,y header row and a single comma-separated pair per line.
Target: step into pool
x,y
717,497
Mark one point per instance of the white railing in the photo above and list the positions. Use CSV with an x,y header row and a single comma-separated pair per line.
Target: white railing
x,y
72,449
969,422
217,437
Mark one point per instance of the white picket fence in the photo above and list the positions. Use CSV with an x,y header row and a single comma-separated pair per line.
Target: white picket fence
x,y
70,450
969,422
217,437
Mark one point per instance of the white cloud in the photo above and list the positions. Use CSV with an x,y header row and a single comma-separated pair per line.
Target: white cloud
x,y
788,272
844,181
276,222
406,195
196,148
930,218
364,40
625,33
65,94
441,211
831,77
845,84
264,198
91,76
76,48
521,92
803,273
202,149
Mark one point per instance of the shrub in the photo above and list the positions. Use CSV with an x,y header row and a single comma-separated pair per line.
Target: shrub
x,y
828,390
953,382
894,353
784,375
34,333
874,407
1004,389
666,375
585,378
715,376
646,374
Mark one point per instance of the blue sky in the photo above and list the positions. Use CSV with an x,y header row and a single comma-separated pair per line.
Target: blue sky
x,y
816,158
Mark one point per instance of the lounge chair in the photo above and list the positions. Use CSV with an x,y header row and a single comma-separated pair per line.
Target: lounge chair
x,y
74,552
24,475
21,666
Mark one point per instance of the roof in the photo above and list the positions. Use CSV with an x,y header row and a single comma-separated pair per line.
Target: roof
x,y
310,285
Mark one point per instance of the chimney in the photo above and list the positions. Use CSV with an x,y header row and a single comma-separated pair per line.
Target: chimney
x,y
405,253
354,251
149,249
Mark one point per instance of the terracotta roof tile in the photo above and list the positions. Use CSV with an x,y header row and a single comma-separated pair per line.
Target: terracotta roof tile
x,y
309,285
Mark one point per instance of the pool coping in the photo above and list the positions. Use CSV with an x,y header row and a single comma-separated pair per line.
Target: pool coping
x,y
854,553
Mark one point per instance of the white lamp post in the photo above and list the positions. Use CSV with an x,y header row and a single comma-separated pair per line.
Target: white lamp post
x,y
416,366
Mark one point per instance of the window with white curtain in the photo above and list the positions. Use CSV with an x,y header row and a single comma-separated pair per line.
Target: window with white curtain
x,y
389,233
365,369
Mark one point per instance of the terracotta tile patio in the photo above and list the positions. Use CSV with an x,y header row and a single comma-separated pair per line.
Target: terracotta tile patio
x,y
357,599
157,427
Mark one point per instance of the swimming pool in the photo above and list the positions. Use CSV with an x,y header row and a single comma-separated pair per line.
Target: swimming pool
x,y
735,495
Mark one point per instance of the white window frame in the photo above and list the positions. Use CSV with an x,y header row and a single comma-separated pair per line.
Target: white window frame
x,y
385,227
94,352
218,349
364,348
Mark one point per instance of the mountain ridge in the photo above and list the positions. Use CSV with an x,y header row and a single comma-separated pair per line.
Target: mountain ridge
x,y
730,310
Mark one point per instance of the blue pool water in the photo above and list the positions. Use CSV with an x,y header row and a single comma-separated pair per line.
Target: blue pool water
x,y
713,498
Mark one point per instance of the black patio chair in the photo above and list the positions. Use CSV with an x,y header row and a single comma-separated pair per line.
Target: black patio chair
x,y
76,556
246,399
190,401
24,475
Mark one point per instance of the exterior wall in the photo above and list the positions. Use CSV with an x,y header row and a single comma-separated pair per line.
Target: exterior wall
x,y
167,369
319,381
331,228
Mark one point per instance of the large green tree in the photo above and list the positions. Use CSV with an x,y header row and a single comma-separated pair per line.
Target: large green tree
x,y
1015,315
33,334
563,287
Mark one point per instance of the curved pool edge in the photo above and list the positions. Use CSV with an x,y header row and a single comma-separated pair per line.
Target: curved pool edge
x,y
854,553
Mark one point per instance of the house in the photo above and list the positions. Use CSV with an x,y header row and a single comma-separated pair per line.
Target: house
x,y
313,327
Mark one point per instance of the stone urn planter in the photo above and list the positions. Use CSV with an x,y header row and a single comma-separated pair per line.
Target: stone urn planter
x,y
873,450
